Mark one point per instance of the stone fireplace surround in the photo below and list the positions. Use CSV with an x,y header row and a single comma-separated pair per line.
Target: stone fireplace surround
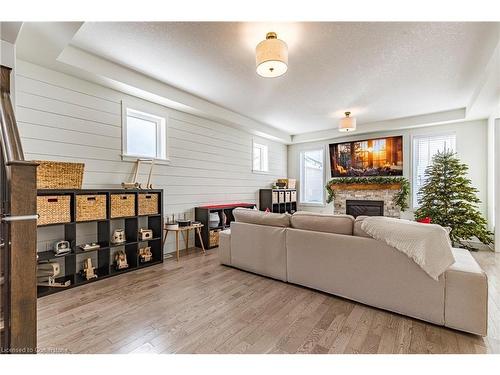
x,y
376,194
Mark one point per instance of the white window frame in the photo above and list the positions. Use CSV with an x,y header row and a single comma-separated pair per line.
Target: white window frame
x,y
264,148
414,139
161,134
301,176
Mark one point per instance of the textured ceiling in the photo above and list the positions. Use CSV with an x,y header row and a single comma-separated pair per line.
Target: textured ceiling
x,y
378,71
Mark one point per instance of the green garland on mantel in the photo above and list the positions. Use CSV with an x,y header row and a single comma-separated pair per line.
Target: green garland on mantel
x,y
400,199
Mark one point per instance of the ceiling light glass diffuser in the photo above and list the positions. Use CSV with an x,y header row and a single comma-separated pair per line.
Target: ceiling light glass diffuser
x,y
347,124
271,56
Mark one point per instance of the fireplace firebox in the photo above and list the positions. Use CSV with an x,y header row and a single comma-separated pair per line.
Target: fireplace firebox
x,y
364,207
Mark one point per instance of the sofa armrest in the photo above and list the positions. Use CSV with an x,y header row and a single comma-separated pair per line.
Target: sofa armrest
x,y
466,295
224,250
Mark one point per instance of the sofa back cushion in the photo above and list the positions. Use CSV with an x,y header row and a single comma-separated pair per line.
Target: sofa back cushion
x,y
249,216
357,227
339,224
259,248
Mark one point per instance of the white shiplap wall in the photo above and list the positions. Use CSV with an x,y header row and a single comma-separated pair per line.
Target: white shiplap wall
x,y
61,117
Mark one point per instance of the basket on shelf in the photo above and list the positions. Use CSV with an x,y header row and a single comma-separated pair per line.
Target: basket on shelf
x,y
59,175
148,204
53,209
213,239
90,207
122,205
287,183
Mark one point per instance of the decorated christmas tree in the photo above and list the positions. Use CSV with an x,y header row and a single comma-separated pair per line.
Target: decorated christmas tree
x,y
449,199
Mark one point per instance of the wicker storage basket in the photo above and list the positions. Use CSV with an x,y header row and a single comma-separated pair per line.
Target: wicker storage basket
x,y
122,205
53,209
90,207
213,238
148,204
59,175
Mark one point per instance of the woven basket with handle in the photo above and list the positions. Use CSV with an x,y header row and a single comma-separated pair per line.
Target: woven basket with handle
x,y
90,207
53,209
148,204
122,205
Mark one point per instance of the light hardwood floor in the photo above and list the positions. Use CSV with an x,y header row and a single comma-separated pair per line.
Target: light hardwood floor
x,y
199,306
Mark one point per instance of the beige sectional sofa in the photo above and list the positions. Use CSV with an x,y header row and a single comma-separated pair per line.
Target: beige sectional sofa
x,y
331,253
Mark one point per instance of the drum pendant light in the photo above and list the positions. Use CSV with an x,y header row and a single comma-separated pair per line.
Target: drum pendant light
x,y
347,124
271,56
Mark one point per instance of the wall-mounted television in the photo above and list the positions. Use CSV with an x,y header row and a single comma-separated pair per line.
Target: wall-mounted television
x,y
370,157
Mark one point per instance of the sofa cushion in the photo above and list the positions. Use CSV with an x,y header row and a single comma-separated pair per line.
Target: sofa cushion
x,y
259,248
339,224
250,216
357,231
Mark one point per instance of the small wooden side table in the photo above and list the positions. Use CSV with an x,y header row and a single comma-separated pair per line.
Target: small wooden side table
x,y
185,234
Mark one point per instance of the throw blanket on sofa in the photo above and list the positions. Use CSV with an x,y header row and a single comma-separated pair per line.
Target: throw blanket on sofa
x,y
428,245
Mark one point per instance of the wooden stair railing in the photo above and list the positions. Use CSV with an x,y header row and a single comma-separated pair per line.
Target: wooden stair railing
x,y
18,322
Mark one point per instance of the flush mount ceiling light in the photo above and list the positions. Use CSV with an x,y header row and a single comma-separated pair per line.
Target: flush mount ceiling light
x,y
271,56
347,124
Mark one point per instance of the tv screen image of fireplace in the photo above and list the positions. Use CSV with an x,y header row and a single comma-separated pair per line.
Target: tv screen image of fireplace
x,y
364,208
371,157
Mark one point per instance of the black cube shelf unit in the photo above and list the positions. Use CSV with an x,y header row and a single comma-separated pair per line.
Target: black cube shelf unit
x,y
278,200
105,254
225,212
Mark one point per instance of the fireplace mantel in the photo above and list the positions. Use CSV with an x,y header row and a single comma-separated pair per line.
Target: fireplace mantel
x,y
365,186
